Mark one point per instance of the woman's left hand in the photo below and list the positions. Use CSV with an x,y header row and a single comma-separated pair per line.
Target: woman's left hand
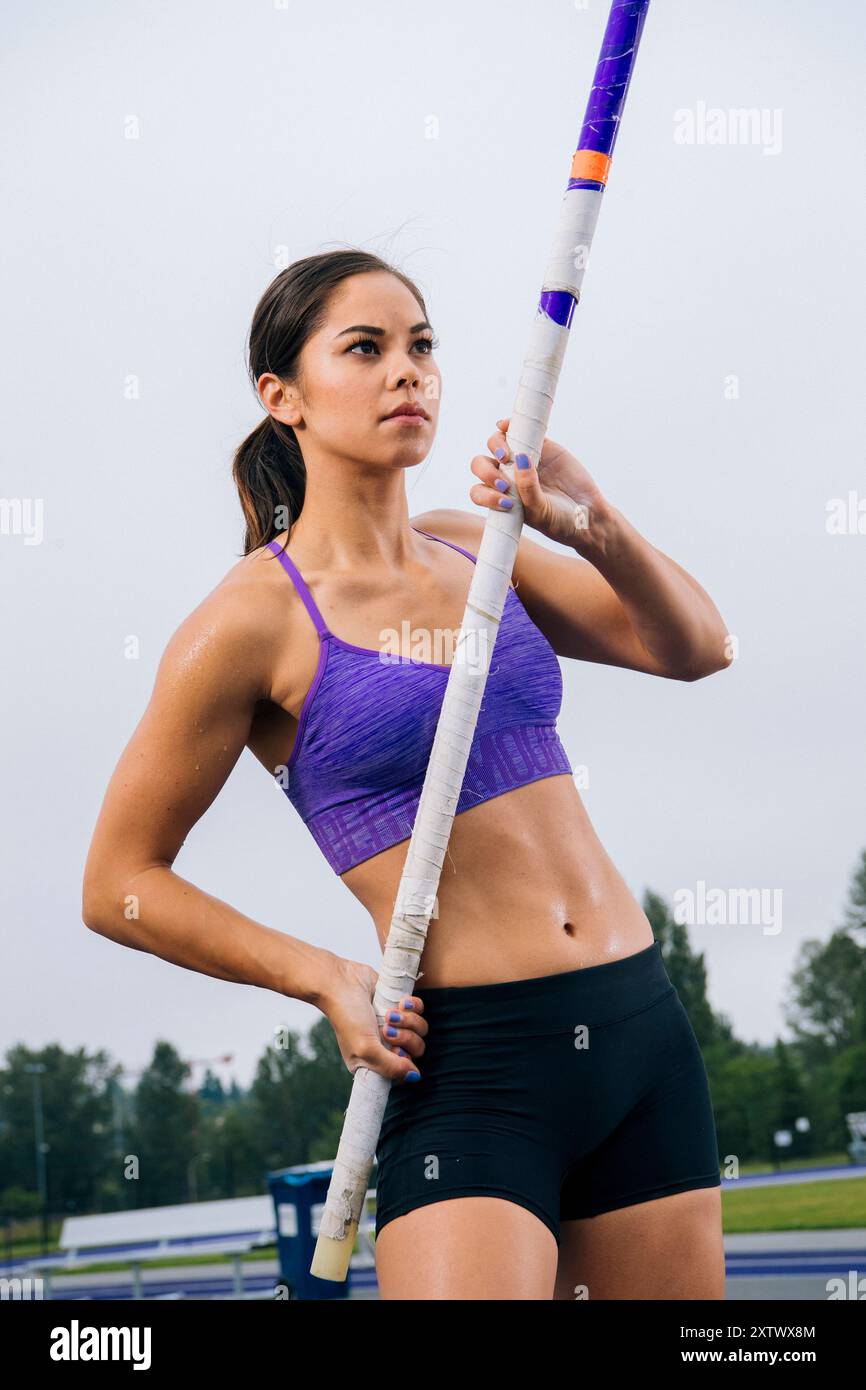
x,y
559,497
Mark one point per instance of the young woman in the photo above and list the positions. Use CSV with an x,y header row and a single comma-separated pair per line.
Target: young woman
x,y
549,1132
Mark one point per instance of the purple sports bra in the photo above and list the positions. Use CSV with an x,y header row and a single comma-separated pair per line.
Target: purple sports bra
x,y
367,724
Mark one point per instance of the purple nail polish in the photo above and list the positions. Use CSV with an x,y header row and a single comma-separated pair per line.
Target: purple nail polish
x,y
506,504
390,1032
502,484
500,453
522,460
413,1076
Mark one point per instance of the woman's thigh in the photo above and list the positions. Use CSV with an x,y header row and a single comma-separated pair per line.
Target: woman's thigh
x,y
671,1247
467,1248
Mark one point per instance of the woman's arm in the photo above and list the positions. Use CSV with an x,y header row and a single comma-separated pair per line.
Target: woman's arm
x,y
214,670
630,606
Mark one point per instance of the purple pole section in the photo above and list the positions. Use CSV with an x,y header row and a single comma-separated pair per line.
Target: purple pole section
x,y
612,76
603,112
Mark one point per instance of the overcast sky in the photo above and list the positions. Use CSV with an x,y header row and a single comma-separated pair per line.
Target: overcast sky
x,y
162,160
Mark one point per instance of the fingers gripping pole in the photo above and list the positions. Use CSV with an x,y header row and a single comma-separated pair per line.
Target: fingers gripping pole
x,y
416,896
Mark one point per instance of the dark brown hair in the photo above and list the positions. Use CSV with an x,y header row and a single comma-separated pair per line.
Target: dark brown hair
x,y
268,467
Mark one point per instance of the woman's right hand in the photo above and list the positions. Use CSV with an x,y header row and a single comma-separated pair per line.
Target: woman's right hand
x,y
363,1043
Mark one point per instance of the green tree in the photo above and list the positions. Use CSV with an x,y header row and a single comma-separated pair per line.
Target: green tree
x,y
855,910
744,1105
789,1100
826,995
164,1135
296,1091
76,1116
686,968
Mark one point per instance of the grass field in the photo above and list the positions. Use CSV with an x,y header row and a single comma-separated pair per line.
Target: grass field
x,y
806,1206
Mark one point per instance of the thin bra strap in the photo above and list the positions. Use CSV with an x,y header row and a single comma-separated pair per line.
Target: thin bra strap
x,y
453,546
309,602
294,574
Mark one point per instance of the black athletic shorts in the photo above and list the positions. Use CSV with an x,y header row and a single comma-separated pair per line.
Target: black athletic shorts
x,y
570,1094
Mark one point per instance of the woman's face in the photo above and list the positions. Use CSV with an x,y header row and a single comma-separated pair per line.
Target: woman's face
x,y
373,353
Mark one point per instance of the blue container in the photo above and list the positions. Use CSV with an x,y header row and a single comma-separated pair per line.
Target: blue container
x,y
295,1192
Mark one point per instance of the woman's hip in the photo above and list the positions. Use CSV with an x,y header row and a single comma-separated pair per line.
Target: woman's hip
x,y
532,1088
565,1053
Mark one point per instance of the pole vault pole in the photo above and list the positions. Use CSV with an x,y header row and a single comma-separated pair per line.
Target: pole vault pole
x,y
416,895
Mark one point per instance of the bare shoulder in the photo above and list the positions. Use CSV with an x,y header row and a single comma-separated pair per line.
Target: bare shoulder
x,y
464,528
214,670
230,634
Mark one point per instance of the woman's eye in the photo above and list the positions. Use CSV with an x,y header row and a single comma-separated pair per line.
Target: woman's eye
x,y
429,343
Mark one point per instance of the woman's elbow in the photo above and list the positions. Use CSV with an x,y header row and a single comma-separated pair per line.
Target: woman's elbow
x,y
101,903
93,904
718,658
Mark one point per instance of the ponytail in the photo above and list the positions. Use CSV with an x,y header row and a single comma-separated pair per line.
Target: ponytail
x,y
268,469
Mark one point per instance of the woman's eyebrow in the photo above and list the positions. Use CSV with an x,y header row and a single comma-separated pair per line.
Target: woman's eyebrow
x,y
380,332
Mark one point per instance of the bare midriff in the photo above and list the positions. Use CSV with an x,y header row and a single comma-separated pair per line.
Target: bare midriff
x,y
526,889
